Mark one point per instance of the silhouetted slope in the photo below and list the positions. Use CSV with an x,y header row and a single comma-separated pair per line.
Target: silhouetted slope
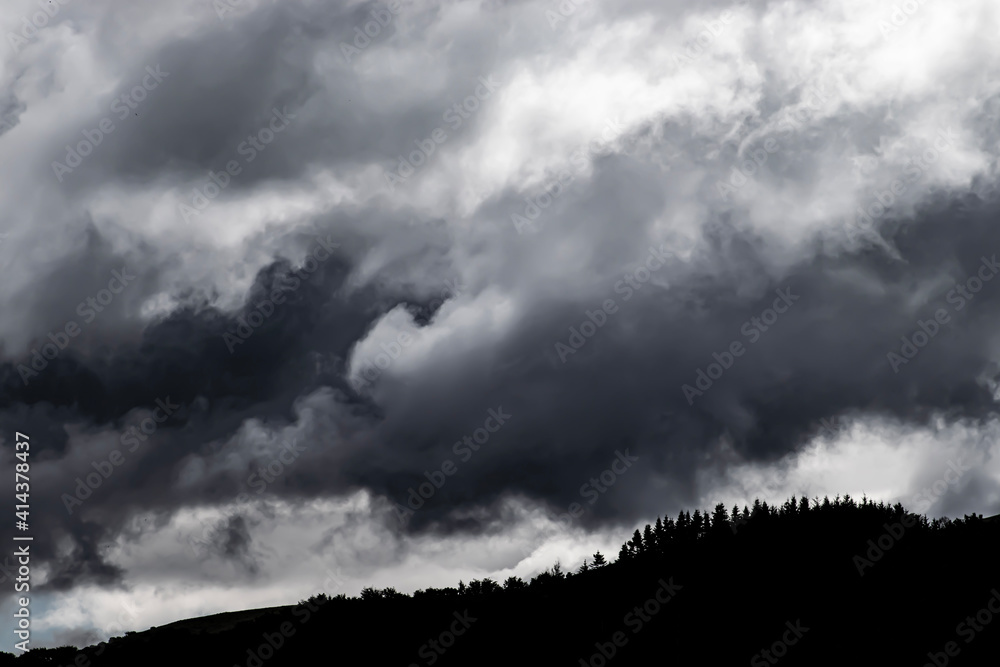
x,y
834,583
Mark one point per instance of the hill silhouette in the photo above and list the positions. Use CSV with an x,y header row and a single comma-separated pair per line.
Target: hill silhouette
x,y
831,582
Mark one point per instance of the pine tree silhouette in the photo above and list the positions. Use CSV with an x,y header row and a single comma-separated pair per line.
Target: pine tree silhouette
x,y
896,584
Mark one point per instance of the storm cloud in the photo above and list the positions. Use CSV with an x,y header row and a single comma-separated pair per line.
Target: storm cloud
x,y
418,273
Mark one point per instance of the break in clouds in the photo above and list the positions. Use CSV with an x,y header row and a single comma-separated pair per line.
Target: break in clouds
x,y
375,282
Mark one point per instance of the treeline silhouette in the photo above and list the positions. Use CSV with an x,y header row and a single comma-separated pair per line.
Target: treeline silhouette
x,y
831,582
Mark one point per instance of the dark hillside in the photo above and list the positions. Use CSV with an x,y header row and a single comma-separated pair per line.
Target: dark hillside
x,y
821,583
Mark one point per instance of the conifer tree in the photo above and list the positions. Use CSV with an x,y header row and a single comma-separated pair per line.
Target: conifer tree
x,y
669,531
696,525
720,519
684,524
637,545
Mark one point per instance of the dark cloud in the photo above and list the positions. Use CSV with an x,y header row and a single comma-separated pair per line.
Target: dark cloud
x,y
232,541
826,356
440,260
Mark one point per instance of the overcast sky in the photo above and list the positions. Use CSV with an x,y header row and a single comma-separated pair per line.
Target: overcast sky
x,y
272,270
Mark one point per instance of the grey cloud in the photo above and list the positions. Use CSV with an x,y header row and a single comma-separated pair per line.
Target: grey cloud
x,y
288,382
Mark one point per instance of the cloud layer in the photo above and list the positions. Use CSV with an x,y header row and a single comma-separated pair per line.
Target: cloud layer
x,y
419,274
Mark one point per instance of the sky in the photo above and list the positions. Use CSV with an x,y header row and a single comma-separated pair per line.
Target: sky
x,y
311,295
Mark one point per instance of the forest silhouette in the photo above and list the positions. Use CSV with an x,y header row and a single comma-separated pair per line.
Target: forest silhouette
x,y
821,582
